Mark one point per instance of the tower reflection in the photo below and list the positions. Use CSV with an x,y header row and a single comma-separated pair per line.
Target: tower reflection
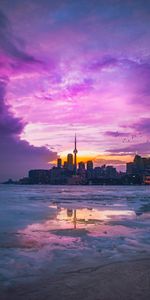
x,y
73,213
75,219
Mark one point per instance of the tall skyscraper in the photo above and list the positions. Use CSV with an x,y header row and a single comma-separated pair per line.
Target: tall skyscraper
x,y
65,165
89,165
75,155
70,161
81,165
59,163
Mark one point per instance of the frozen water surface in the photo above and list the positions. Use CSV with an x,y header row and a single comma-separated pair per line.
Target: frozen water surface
x,y
46,229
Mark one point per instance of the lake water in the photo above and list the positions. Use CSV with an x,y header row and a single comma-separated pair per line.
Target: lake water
x,y
55,228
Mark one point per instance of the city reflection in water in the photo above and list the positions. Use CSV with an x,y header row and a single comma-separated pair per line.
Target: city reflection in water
x,y
77,218
65,225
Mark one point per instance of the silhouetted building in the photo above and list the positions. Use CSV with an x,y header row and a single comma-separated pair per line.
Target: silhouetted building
x,y
59,163
39,176
89,165
110,172
130,168
137,172
140,166
82,172
99,172
70,161
90,171
81,165
65,165
146,163
74,180
58,176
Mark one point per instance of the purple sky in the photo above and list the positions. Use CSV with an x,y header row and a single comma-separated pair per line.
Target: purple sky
x,y
73,66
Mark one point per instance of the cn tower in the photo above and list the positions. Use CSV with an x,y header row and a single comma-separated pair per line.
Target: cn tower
x,y
75,151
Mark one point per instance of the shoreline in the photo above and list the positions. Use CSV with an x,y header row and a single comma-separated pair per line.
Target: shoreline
x,y
126,280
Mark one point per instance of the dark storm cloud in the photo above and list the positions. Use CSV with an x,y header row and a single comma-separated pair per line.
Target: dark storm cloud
x,y
9,125
16,156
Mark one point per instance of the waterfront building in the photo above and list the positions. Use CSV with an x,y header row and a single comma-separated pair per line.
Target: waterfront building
x,y
99,172
81,165
70,161
65,165
89,172
137,172
39,176
110,172
59,163
58,176
140,166
89,165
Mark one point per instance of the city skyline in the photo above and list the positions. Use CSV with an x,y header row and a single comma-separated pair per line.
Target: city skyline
x,y
73,171
85,155
73,66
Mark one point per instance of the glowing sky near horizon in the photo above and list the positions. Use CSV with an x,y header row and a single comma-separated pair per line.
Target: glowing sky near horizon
x,y
77,66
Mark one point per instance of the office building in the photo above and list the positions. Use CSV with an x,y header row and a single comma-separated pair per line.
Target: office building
x,y
81,165
89,165
70,161
59,163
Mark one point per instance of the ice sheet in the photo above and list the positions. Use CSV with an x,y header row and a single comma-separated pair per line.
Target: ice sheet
x,y
52,228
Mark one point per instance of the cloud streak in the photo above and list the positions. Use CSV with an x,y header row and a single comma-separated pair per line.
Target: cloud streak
x,y
143,148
